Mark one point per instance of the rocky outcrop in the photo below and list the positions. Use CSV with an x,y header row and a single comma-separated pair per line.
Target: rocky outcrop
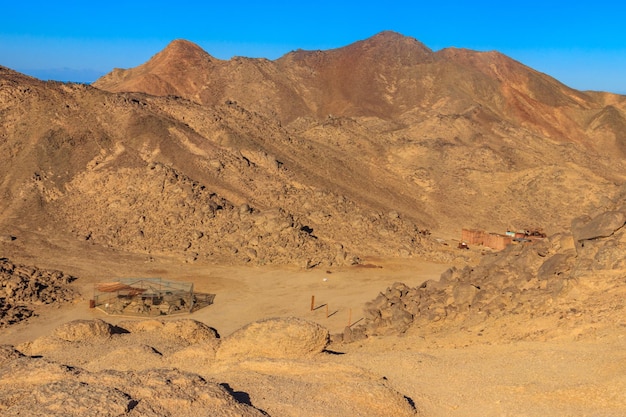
x,y
275,338
548,278
45,388
23,288
172,368
601,226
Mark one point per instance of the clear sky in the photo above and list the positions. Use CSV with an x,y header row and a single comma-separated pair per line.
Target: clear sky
x,y
582,44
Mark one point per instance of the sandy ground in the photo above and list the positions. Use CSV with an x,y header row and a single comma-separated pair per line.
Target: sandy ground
x,y
586,378
442,377
247,294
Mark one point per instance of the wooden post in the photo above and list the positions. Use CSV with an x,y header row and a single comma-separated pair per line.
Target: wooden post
x,y
312,302
326,310
350,318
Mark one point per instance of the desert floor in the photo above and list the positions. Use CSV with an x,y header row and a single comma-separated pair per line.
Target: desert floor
x,y
447,373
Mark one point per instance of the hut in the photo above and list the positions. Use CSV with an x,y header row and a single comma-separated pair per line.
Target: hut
x,y
144,297
491,240
497,241
472,236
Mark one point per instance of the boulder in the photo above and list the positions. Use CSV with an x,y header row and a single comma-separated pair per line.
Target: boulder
x,y
557,265
464,295
603,225
191,331
81,330
275,338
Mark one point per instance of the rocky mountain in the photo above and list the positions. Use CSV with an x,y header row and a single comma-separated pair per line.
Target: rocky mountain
x,y
162,175
388,76
319,157
437,120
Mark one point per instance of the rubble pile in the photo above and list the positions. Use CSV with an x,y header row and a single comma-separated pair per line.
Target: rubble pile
x,y
22,288
555,277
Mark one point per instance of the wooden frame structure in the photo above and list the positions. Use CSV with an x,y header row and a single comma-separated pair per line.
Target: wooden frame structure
x,y
144,297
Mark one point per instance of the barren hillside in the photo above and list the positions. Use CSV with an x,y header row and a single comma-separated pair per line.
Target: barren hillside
x,y
481,124
320,156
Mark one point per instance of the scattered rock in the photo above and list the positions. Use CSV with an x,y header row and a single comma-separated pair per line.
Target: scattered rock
x,y
24,288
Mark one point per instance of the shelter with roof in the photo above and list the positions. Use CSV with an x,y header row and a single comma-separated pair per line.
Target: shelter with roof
x,y
146,297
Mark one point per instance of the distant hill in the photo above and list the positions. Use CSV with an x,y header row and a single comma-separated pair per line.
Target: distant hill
x,y
316,157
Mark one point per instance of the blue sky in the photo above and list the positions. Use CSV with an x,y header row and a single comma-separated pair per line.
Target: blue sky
x,y
582,44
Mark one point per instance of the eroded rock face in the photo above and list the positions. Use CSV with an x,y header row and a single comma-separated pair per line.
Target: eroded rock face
x,y
23,288
275,338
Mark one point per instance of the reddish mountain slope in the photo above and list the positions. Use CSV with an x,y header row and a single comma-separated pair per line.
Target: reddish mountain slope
x,y
388,76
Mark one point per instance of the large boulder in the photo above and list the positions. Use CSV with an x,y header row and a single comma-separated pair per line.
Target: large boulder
x,y
603,225
275,338
190,331
81,330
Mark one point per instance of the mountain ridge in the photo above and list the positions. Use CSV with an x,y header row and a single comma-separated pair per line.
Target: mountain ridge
x,y
344,153
384,76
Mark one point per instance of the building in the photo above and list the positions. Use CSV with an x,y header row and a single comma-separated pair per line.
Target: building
x,y
494,241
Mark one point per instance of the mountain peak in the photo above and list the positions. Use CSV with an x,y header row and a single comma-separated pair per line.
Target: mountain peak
x,y
395,42
180,49
175,70
184,46
390,34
